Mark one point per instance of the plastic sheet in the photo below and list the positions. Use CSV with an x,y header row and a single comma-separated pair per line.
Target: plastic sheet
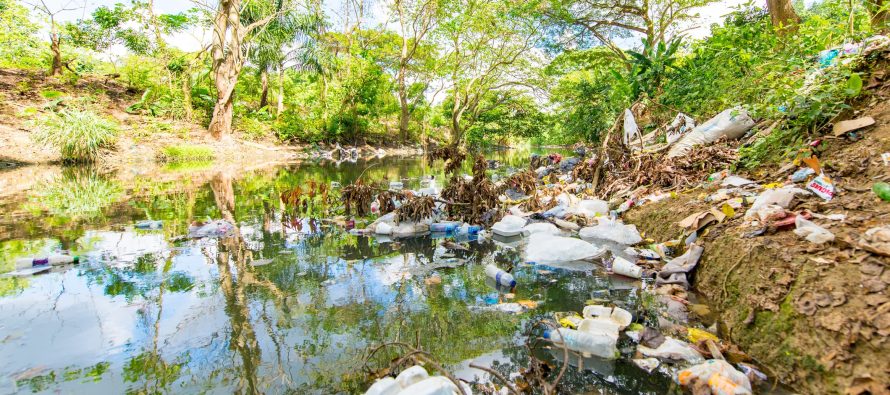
x,y
732,123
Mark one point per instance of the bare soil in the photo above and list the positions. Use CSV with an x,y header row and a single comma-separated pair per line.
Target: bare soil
x,y
816,317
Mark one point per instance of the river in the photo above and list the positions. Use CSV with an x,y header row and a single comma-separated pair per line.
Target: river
x,y
291,304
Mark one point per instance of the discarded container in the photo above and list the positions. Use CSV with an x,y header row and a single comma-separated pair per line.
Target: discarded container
x,y
510,225
822,186
396,186
719,375
882,190
500,277
412,375
52,260
812,232
218,228
384,386
673,349
469,229
149,224
614,230
620,316
383,228
544,248
436,385
585,343
600,326
732,123
444,226
626,268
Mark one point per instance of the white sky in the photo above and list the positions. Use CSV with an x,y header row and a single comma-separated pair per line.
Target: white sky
x,y
377,14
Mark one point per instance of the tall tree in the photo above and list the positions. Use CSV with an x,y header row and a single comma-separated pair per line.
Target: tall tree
x,y
55,34
489,46
234,26
782,15
600,22
416,19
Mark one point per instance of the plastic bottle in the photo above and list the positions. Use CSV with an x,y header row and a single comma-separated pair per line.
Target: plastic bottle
x,y
58,259
500,277
443,227
384,386
587,343
882,189
149,224
469,229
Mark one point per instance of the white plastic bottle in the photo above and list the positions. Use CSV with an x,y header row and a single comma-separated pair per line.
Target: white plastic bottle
x,y
56,259
602,346
500,277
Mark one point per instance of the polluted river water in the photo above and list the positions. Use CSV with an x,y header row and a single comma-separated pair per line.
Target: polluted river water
x,y
288,304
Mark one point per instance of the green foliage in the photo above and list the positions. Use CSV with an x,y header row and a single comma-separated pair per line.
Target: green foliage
x,y
187,153
78,134
76,195
19,44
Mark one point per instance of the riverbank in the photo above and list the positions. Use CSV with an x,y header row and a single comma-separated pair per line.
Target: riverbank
x,y
142,138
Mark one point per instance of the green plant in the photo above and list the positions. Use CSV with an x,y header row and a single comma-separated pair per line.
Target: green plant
x,y
51,94
78,134
78,194
186,153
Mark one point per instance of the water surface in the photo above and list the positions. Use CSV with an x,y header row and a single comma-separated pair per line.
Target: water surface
x,y
290,304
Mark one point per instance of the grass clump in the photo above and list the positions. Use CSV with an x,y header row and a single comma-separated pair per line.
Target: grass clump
x,y
78,134
186,153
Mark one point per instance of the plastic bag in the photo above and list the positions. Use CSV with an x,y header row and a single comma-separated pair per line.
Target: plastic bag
x,y
630,127
781,197
681,124
592,208
217,228
672,349
721,377
544,248
732,123
812,232
674,272
542,227
613,230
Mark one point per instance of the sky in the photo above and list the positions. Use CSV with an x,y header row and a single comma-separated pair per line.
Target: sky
x,y
198,38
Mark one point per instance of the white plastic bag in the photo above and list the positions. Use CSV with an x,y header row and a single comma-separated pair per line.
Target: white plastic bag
x,y
681,124
614,230
721,377
630,127
732,123
542,227
813,233
592,208
672,349
781,197
544,248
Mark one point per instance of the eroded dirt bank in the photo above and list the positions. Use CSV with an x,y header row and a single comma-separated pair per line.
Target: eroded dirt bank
x,y
816,316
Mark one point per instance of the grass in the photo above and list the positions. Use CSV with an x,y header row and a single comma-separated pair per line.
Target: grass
x,y
186,153
78,194
78,134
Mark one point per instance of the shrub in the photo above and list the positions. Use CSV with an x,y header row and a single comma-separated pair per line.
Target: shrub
x,y
78,134
186,153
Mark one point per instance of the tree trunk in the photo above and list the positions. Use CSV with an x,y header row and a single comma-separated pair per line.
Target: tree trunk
x,y
55,46
264,81
228,60
404,113
782,15
221,121
280,90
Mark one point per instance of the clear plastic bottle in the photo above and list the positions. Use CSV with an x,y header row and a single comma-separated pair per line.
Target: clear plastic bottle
x,y
599,345
57,259
500,277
